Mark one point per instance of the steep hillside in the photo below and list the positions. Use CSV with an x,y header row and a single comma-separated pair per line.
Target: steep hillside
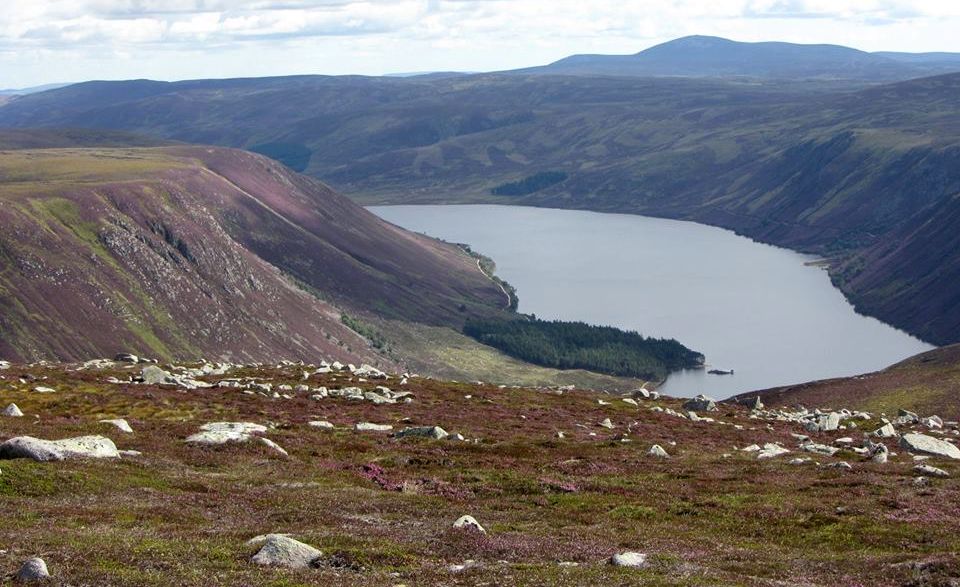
x,y
190,251
926,384
842,174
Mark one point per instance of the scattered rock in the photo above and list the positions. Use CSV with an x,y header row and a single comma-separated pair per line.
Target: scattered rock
x,y
153,375
771,450
321,424
657,451
13,411
34,569
885,431
923,444
42,389
635,560
370,427
820,449
701,403
435,432
841,465
27,447
224,432
279,550
127,358
879,453
465,565
469,522
273,446
607,424
120,424
931,471
823,422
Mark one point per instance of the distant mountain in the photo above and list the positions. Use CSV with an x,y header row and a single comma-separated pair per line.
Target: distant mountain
x,y
866,178
701,56
32,90
200,251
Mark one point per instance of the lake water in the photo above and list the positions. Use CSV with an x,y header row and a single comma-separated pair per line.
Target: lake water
x,y
754,308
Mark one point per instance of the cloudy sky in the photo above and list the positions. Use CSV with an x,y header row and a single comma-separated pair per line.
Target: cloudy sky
x,y
47,41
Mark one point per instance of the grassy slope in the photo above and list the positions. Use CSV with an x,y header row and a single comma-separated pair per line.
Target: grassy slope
x,y
181,514
839,173
928,383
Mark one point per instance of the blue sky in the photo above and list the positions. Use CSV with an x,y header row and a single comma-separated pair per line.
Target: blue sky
x,y
45,41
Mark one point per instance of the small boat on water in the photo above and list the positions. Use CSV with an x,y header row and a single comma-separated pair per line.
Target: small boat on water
x,y
720,371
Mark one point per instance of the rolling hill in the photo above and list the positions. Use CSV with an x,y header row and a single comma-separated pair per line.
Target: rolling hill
x,y
702,56
187,251
866,177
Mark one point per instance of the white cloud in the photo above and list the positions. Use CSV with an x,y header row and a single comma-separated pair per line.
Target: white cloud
x,y
192,38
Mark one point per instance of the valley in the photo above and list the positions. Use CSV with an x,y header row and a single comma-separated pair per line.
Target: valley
x,y
842,170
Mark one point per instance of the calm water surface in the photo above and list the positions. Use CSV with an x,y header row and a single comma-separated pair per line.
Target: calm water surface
x,y
750,307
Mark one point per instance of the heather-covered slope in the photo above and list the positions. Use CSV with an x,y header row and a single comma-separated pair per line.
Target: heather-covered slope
x,y
190,251
928,383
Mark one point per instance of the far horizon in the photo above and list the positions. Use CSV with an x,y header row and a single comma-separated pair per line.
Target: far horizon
x,y
111,40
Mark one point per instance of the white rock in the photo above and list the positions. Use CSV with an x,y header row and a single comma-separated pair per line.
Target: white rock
x,y
42,389
629,559
771,450
34,569
701,403
321,424
273,446
607,424
931,471
279,550
923,444
657,451
224,432
27,447
120,424
885,431
13,411
435,432
469,522
371,427
630,400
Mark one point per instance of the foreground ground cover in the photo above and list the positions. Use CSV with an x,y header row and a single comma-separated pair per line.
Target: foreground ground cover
x,y
381,508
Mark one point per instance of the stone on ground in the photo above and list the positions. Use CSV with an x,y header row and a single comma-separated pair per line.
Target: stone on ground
x,y
371,427
701,403
120,424
34,569
931,471
435,432
279,550
28,447
923,444
657,451
635,560
321,424
469,522
13,411
224,432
